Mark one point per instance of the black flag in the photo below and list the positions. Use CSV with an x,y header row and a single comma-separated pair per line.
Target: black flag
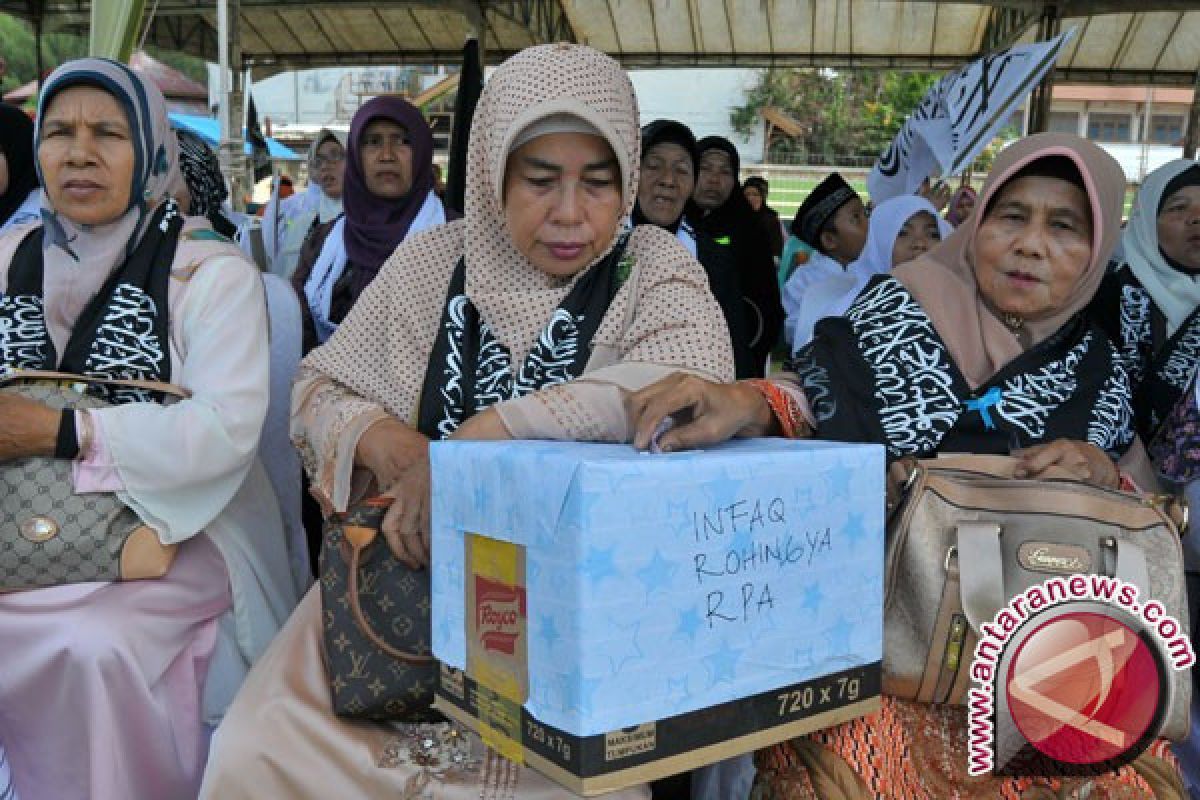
x,y
470,83
259,156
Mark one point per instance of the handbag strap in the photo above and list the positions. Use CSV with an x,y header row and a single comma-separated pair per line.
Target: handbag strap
x,y
71,377
359,537
981,568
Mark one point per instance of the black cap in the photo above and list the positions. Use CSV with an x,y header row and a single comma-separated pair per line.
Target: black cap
x,y
819,207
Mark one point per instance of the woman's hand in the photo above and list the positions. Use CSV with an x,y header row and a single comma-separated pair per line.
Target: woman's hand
x,y
405,526
1084,461
388,448
705,412
398,457
486,426
27,427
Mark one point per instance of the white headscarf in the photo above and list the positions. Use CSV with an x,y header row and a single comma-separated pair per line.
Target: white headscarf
x,y
831,297
1175,293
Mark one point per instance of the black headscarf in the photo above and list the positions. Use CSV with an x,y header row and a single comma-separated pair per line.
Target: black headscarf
x,y
657,132
16,140
734,226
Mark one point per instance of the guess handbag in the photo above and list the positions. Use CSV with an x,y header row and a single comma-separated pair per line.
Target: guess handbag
x,y
965,537
48,534
376,622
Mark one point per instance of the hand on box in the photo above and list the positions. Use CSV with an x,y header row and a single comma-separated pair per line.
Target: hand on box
x,y
704,412
1083,460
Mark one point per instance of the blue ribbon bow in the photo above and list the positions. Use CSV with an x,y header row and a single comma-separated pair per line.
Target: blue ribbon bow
x,y
983,405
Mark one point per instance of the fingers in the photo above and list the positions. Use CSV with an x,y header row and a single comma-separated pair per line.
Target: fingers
x,y
648,407
1062,453
401,526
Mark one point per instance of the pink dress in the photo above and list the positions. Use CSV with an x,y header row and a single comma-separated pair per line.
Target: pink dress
x,y
111,674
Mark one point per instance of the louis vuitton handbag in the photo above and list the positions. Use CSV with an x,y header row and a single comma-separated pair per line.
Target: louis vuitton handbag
x,y
376,622
965,537
48,534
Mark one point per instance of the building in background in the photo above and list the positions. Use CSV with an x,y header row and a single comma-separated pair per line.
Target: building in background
x,y
1142,128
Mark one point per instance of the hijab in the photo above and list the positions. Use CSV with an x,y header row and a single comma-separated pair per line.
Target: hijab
x,y
1176,293
374,225
733,217
952,215
672,132
677,325
943,280
79,258
16,140
512,296
202,172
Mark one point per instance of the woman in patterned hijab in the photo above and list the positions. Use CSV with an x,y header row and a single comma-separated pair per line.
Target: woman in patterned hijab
x,y
206,189
109,689
479,329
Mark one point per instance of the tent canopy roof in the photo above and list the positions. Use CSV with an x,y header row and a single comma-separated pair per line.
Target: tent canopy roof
x,y
1119,41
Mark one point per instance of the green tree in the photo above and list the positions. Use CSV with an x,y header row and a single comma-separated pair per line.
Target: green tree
x,y
17,49
843,114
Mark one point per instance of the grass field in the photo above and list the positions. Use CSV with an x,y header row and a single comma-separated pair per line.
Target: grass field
x,y
788,193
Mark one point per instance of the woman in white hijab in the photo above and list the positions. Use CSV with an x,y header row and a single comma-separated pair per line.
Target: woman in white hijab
x,y
287,222
900,230
1148,303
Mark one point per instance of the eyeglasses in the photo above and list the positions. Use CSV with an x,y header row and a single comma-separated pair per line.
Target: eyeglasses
x,y
321,161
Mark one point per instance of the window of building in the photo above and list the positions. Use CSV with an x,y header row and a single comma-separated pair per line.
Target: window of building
x,y
1063,122
1166,129
1109,127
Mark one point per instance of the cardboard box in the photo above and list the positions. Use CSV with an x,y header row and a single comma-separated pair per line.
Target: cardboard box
x,y
635,615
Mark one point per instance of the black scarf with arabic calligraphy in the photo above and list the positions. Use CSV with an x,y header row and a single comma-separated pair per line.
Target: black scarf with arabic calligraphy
x,y
122,332
881,373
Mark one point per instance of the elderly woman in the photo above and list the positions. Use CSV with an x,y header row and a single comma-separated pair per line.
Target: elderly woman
x,y
107,687
19,200
287,222
1148,304
388,195
529,318
991,353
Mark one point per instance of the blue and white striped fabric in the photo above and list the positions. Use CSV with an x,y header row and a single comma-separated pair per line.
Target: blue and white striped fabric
x,y
8,791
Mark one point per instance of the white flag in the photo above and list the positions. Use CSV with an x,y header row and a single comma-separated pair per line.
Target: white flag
x,y
960,115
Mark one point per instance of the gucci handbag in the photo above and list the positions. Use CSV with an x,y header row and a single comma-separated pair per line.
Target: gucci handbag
x,y
48,534
376,622
965,537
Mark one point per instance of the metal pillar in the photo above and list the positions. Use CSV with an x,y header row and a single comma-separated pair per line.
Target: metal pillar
x,y
1191,139
230,114
1039,103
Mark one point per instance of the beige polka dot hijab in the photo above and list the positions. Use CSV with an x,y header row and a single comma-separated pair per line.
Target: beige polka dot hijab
x,y
381,351
513,297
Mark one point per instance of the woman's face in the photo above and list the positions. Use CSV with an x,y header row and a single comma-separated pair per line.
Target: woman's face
x,y
86,155
665,183
753,198
1033,246
1179,227
919,234
715,181
386,159
562,200
328,165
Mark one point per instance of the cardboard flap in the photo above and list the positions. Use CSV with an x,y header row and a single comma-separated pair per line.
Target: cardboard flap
x,y
540,475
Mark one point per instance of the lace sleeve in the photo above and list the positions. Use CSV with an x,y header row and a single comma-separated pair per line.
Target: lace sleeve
x,y
327,422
